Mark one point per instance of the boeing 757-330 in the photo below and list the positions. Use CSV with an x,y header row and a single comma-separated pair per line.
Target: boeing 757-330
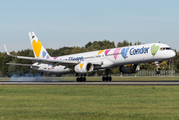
x,y
126,58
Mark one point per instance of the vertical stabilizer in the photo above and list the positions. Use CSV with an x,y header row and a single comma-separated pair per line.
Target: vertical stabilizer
x,y
38,49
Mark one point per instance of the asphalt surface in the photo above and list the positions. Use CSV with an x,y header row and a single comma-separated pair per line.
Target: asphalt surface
x,y
91,83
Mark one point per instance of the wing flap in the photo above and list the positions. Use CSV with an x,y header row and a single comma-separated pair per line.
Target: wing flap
x,y
29,65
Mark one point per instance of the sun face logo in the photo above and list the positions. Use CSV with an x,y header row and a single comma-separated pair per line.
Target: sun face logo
x,y
47,57
100,52
107,51
37,47
70,69
124,52
154,50
116,52
81,66
44,54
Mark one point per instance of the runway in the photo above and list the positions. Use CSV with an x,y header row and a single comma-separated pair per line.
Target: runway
x,y
92,83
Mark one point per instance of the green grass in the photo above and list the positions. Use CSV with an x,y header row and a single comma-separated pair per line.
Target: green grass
x,y
4,79
44,102
114,78
117,78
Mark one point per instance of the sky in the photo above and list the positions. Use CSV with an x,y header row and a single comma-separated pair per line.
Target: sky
x,y
59,23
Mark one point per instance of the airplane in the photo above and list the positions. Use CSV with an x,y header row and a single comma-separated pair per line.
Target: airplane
x,y
126,58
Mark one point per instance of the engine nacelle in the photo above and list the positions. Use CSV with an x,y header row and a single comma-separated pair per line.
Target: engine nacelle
x,y
84,67
130,68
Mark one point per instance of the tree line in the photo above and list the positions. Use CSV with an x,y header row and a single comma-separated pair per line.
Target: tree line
x,y
10,70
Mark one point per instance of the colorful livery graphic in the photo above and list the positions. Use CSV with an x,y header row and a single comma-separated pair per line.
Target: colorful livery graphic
x,y
126,58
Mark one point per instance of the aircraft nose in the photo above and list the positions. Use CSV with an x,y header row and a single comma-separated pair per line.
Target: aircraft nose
x,y
172,54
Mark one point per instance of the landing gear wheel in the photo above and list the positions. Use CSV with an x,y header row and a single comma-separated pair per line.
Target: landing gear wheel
x,y
157,72
78,79
84,79
104,78
109,78
81,79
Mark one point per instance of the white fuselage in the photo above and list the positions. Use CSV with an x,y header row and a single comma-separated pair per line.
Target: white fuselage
x,y
111,58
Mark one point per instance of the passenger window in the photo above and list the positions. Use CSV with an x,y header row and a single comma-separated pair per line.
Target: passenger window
x,y
165,48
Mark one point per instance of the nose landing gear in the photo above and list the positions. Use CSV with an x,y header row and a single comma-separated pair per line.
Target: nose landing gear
x,y
158,66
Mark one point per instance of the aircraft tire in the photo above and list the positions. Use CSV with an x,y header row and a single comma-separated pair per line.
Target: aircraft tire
x,y
107,78
103,78
110,78
78,79
83,79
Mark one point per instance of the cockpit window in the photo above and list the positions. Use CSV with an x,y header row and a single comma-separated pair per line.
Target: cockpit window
x,y
165,48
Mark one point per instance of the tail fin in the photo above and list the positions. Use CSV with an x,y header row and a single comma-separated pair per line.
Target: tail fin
x,y
38,49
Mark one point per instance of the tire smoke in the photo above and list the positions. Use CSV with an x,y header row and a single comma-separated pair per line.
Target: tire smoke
x,y
31,78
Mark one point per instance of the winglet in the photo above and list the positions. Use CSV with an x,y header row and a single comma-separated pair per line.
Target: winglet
x,y
6,50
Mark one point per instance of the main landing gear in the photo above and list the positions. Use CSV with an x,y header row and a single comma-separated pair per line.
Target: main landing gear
x,y
82,78
106,77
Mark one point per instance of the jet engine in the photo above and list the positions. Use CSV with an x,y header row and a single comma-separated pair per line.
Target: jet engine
x,y
130,68
84,67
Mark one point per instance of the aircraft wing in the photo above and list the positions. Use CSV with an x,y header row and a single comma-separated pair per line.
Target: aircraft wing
x,y
48,61
45,61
